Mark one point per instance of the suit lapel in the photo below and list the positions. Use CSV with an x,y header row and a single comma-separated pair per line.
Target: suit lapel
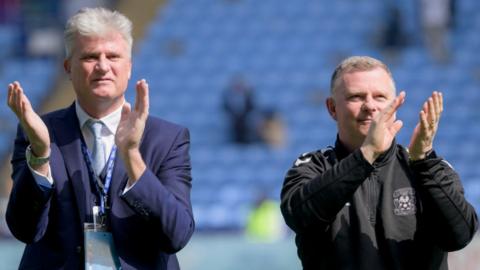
x,y
69,137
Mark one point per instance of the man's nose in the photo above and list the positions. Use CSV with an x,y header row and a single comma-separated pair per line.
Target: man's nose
x,y
369,104
102,64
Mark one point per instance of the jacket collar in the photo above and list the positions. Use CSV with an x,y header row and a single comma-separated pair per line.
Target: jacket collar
x,y
341,152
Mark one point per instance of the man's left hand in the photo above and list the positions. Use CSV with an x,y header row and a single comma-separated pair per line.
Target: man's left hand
x,y
130,131
422,138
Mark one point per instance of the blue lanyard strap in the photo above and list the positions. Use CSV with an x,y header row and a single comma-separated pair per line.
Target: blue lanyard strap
x,y
102,189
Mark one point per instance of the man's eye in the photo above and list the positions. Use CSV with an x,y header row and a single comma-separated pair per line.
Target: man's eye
x,y
89,58
114,57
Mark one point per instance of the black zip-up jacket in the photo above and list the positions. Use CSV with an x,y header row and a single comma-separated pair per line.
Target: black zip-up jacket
x,y
392,214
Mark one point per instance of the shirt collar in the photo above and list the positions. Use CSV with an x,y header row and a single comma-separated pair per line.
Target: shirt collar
x,y
111,120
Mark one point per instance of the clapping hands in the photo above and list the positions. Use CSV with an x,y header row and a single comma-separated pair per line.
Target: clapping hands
x,y
424,132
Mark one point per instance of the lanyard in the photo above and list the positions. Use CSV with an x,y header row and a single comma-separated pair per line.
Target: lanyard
x,y
102,190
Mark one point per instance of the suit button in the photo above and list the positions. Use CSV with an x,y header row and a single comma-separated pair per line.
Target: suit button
x,y
79,249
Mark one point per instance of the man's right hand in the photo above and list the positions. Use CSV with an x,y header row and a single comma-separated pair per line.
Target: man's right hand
x,y
32,124
382,131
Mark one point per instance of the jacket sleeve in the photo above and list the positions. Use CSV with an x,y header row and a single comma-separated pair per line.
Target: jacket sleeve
x,y
162,196
451,220
314,190
29,204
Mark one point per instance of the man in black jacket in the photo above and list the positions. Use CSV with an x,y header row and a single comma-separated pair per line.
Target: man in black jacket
x,y
369,203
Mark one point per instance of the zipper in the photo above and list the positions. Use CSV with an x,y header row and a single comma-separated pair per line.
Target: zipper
x,y
372,197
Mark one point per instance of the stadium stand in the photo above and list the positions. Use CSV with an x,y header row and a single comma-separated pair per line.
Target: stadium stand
x,y
287,51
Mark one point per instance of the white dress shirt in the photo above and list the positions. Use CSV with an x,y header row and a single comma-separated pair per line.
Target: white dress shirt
x,y
109,128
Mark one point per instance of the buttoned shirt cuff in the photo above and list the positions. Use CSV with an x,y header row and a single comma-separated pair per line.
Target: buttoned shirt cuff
x,y
127,188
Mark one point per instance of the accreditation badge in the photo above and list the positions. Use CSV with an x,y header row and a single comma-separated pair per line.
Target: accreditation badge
x,y
100,251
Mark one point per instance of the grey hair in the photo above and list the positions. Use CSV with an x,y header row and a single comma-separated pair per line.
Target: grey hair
x,y
96,22
357,63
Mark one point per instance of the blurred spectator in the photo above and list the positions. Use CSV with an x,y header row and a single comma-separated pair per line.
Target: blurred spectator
x,y
265,222
435,18
238,103
40,28
45,42
272,129
392,34
453,14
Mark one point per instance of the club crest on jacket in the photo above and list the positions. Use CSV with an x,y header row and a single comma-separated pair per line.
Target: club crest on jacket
x,y
404,202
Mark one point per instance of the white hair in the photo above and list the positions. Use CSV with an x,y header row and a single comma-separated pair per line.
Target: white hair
x,y
96,22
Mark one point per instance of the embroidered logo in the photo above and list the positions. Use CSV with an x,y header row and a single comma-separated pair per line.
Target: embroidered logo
x,y
404,202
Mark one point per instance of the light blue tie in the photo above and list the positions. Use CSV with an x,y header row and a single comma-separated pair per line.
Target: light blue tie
x,y
98,151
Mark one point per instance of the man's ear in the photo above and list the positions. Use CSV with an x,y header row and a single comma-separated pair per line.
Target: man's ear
x,y
130,70
66,66
330,102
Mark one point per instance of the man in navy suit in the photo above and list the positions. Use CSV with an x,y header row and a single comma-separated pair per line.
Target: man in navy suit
x,y
143,190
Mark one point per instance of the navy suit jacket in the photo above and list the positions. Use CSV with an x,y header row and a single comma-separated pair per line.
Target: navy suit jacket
x,y
149,224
